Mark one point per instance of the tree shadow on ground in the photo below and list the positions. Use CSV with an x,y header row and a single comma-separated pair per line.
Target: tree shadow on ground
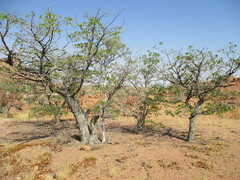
x,y
32,130
148,131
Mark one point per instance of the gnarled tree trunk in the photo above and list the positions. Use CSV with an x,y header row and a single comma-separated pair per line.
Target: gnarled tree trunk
x,y
10,59
192,128
140,121
57,117
104,116
88,131
192,120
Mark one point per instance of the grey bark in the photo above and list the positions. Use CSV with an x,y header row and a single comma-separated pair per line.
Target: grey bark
x,y
58,114
5,109
192,121
140,121
57,117
104,115
192,128
88,131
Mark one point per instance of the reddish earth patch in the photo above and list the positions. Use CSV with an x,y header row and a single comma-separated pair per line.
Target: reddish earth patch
x,y
159,152
43,150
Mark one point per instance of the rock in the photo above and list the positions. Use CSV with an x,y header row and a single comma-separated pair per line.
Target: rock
x,y
36,168
119,160
85,148
54,175
41,176
18,178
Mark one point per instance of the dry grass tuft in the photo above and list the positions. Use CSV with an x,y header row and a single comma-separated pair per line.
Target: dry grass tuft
x,y
192,156
43,159
88,161
122,159
168,164
112,172
11,148
65,172
29,176
202,164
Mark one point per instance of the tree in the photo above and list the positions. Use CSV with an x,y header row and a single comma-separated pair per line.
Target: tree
x,y
65,71
8,44
199,74
109,80
145,94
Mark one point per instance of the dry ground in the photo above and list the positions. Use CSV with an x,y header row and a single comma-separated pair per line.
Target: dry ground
x,y
33,149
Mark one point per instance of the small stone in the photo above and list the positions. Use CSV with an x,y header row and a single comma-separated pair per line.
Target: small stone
x,y
85,148
41,176
119,160
18,178
54,175
35,168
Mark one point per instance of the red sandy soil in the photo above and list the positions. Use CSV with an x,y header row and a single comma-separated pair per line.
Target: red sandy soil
x,y
43,150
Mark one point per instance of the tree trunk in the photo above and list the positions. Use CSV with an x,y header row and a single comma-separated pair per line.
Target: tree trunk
x,y
104,115
140,122
191,132
103,126
88,132
192,120
57,117
57,114
10,59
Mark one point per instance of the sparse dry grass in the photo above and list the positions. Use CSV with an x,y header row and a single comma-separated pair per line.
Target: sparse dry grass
x,y
202,164
112,172
15,165
65,172
168,164
10,148
43,159
29,176
88,161
209,146
191,156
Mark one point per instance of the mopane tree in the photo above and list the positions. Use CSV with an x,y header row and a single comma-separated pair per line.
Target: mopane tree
x,y
38,40
109,78
199,74
8,42
48,63
145,93
96,42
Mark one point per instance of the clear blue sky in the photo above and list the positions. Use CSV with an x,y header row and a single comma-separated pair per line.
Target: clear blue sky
x,y
177,23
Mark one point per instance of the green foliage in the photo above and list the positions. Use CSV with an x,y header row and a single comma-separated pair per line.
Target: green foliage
x,y
146,94
198,75
11,95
